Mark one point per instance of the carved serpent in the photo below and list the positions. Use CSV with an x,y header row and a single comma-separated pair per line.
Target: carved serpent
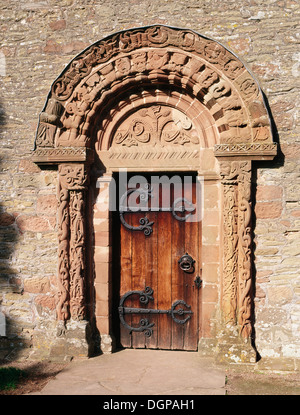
x,y
245,267
63,254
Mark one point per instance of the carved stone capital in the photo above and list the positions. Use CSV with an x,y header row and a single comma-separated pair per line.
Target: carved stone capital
x,y
73,176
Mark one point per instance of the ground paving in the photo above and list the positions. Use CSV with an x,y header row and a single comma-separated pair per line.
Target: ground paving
x,y
140,372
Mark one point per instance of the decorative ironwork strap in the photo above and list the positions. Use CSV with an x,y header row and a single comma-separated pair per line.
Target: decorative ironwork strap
x,y
144,297
180,205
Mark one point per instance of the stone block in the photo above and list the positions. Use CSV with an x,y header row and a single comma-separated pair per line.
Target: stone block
x,y
37,285
210,293
47,205
210,235
36,223
107,344
2,324
268,192
268,210
279,295
102,254
101,272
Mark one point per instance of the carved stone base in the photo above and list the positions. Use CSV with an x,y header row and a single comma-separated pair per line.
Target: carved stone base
x,y
207,347
57,341
107,344
231,348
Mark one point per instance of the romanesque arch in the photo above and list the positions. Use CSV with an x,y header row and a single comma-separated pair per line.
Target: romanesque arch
x,y
165,96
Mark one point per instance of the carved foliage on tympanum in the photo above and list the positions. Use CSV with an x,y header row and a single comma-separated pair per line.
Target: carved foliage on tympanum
x,y
156,124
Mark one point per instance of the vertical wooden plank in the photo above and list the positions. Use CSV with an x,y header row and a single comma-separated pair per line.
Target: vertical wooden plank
x,y
151,278
177,251
164,264
138,277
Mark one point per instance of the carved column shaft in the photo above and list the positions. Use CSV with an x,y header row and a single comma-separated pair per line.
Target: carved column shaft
x,y
244,249
71,279
237,282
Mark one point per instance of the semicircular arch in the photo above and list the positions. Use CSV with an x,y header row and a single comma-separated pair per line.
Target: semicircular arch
x,y
107,74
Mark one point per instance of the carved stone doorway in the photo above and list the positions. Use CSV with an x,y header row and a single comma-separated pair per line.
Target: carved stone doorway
x,y
156,99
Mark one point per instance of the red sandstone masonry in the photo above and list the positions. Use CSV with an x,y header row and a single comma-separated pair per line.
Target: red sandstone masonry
x,y
265,43
268,210
36,223
268,192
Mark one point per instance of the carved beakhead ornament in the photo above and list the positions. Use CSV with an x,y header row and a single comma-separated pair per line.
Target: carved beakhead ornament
x,y
142,59
152,93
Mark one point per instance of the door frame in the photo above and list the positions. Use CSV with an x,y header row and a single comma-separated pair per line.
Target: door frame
x,y
104,254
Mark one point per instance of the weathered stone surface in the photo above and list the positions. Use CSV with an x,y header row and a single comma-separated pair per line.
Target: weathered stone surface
x,y
37,42
37,285
268,210
280,295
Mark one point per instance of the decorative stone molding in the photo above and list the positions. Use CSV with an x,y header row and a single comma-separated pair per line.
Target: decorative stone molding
x,y
73,181
237,282
254,151
155,99
82,97
58,155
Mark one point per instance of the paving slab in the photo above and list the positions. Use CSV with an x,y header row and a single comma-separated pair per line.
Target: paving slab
x,y
140,372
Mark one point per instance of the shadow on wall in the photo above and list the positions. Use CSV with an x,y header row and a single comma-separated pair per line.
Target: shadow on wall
x,y
275,164
9,234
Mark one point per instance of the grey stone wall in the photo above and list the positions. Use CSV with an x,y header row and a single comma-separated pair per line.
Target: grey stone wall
x,y
37,40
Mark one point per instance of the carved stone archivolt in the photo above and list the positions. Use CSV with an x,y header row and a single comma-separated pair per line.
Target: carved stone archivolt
x,y
148,57
155,97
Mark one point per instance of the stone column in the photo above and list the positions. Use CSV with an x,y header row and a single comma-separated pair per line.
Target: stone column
x,y
237,274
73,180
244,250
230,241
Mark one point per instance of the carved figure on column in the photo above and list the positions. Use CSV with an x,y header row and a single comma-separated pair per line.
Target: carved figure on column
x,y
73,182
245,241
62,307
77,255
237,282
230,241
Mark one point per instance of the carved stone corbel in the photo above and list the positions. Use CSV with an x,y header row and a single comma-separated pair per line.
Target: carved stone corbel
x,y
237,283
73,180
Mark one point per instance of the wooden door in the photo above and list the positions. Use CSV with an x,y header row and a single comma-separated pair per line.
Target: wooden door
x,y
159,302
